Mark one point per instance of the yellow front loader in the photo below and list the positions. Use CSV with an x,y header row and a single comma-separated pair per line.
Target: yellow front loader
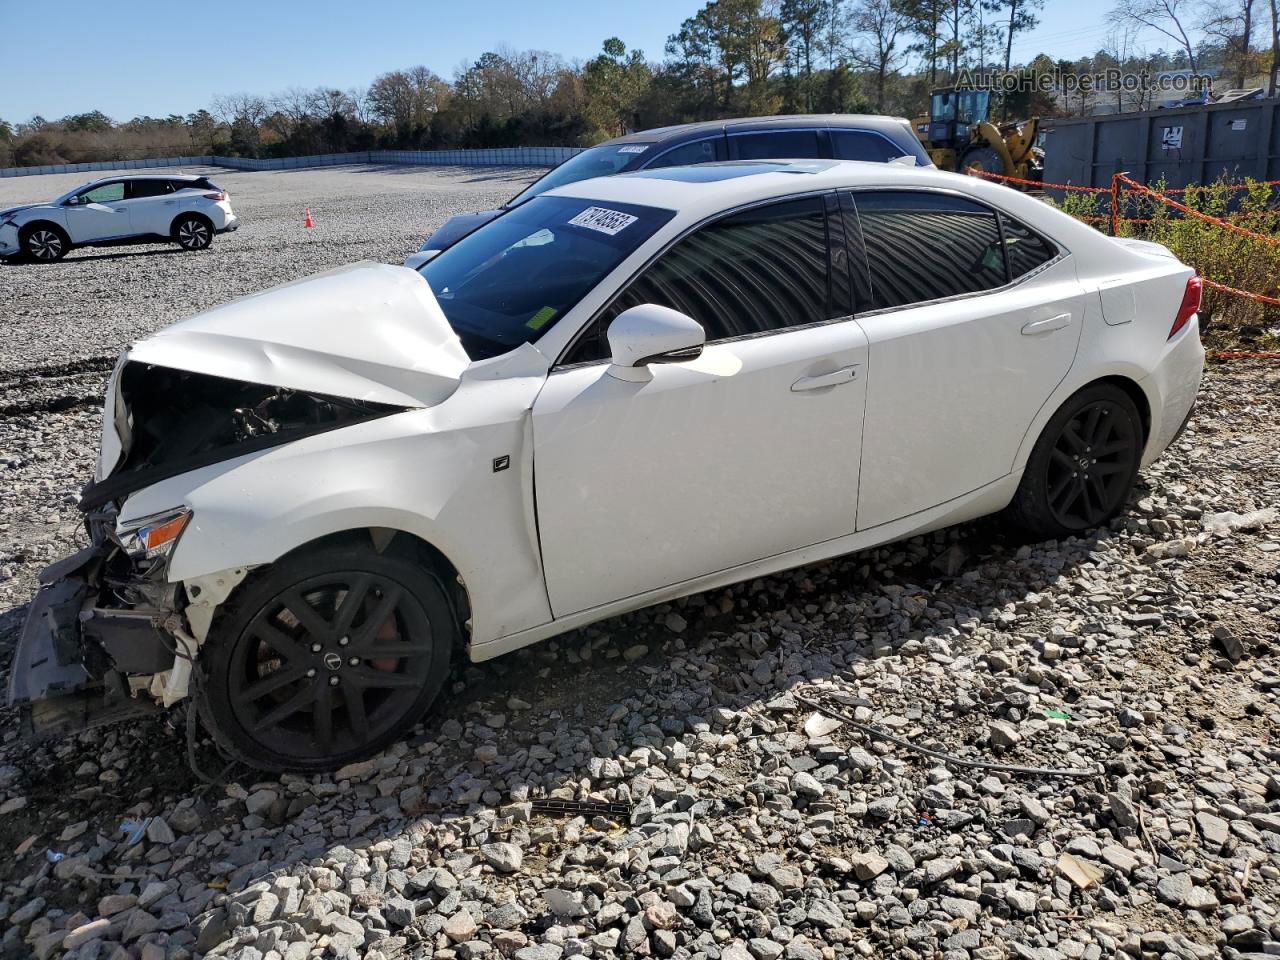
x,y
959,135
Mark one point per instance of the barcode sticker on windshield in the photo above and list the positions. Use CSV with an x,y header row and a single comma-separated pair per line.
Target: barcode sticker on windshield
x,y
634,148
605,221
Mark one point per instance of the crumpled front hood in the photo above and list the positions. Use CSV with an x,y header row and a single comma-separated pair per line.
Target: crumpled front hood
x,y
368,331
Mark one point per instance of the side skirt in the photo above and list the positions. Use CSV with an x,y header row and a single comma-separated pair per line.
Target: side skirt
x,y
992,498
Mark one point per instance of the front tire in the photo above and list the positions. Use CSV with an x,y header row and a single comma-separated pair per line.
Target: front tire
x,y
193,232
44,243
326,659
1083,466
984,159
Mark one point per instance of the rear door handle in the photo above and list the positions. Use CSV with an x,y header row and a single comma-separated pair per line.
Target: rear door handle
x,y
833,379
1037,327
170,203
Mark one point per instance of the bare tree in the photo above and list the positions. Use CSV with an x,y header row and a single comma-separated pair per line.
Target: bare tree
x,y
235,108
879,26
1164,16
1232,24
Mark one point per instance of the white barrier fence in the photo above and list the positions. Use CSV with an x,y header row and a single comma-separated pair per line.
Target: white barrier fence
x,y
498,157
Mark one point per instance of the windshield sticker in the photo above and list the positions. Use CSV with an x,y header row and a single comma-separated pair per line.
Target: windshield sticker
x,y
539,319
602,220
634,148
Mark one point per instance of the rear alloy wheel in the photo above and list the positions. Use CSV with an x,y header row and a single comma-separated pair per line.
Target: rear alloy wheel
x,y
193,233
327,660
44,244
1083,466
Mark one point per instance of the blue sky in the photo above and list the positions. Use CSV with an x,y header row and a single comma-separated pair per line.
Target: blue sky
x,y
133,57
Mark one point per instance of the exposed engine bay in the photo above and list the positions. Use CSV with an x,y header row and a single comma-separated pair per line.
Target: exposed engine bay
x,y
171,421
107,635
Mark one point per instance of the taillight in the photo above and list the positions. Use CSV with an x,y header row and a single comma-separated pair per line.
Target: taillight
x,y
1190,305
215,196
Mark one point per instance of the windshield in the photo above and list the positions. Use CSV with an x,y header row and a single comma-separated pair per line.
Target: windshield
x,y
596,162
513,279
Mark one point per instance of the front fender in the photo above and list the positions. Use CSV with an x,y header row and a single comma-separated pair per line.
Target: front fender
x,y
416,472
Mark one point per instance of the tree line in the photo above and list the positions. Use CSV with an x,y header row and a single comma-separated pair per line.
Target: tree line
x,y
731,58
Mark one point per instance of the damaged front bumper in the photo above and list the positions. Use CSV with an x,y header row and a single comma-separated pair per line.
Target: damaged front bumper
x,y
82,660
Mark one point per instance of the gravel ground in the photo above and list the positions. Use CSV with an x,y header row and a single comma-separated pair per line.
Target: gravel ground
x,y
746,825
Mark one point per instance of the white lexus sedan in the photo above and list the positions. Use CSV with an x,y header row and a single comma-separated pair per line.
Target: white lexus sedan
x,y
623,391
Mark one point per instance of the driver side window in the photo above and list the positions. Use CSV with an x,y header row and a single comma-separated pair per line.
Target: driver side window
x,y
753,272
106,193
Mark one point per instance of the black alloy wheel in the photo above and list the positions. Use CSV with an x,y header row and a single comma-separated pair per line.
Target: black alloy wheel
x,y
1083,466
330,666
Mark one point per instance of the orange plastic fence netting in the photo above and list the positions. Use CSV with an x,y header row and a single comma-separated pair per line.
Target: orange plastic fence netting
x,y
1217,221
1070,186
973,172
1238,292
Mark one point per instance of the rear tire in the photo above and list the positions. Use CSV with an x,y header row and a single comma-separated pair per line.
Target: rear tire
x,y
1083,466
193,232
44,243
297,677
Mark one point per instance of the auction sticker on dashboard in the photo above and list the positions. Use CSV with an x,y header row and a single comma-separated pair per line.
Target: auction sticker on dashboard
x,y
603,220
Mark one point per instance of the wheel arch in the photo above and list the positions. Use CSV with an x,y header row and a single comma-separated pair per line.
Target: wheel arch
x,y
26,228
185,214
1124,379
386,540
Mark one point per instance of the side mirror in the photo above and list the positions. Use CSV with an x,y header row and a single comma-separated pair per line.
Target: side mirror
x,y
648,333
71,202
414,260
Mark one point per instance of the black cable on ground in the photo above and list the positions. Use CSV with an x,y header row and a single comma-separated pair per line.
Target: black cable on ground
x,y
877,734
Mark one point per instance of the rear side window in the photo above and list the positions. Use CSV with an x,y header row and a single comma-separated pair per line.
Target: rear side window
x,y
700,151
149,188
928,246
863,145
775,145
753,272
1026,250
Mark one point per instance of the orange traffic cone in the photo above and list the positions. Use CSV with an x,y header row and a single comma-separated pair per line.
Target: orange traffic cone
x,y
306,218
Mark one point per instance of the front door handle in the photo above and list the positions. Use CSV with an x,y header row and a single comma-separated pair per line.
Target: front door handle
x,y
120,209
833,379
170,203
1037,327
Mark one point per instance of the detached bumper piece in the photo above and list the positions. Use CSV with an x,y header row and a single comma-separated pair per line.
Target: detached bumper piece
x,y
69,668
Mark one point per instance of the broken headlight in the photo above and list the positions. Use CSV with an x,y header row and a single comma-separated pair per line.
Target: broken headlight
x,y
154,536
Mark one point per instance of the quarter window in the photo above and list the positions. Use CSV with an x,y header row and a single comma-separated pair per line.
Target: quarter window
x,y
1026,250
928,246
753,272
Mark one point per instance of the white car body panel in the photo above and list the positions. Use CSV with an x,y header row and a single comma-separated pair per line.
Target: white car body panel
x,y
623,492
97,221
953,387
709,463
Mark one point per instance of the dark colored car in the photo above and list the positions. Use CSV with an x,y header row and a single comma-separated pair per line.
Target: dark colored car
x,y
839,136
